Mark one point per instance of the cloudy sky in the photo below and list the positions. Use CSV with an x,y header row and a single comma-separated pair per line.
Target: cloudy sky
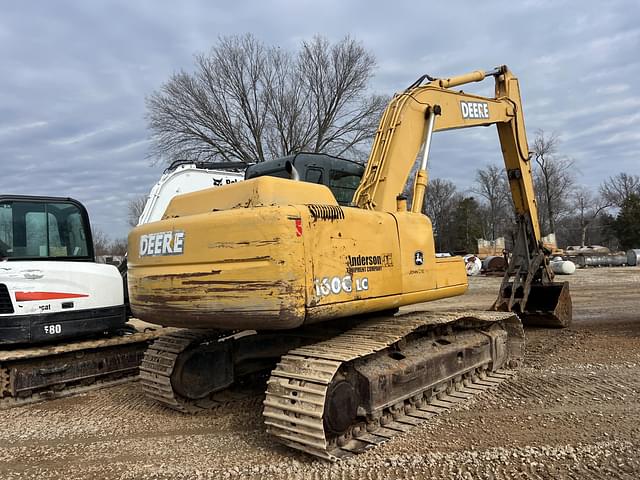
x,y
75,75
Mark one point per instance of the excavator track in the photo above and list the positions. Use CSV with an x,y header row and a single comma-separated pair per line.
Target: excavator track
x,y
34,374
297,392
159,363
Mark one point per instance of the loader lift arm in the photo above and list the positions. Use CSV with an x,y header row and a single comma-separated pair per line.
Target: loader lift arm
x,y
527,287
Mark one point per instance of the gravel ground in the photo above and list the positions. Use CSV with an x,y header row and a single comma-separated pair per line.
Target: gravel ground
x,y
572,412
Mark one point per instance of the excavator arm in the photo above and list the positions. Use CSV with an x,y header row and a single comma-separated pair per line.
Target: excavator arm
x,y
405,134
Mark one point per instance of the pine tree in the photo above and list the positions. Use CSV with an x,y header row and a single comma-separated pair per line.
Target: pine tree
x,y
627,223
466,225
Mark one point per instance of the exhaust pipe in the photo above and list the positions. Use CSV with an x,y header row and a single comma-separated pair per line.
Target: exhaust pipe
x,y
292,171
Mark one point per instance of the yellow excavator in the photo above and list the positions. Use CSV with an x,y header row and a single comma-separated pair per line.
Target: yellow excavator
x,y
276,273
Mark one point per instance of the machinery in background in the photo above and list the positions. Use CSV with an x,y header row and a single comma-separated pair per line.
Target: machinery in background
x,y
595,256
339,174
58,305
183,177
274,272
51,287
63,322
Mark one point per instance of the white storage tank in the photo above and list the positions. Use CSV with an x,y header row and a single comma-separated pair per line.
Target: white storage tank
x,y
562,267
633,257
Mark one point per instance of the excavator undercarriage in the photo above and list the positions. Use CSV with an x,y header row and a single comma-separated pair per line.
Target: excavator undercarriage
x,y
341,396
34,373
334,392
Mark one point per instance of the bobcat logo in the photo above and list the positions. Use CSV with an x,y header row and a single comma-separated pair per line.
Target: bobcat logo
x,y
217,182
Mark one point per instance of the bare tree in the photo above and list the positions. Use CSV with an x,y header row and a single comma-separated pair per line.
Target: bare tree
x,y
118,247
616,189
587,207
101,242
553,178
247,101
136,207
492,185
336,77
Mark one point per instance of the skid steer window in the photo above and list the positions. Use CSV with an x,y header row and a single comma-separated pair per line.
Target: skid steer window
x,y
42,230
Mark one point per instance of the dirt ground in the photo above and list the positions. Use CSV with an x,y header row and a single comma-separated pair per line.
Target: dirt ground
x,y
573,411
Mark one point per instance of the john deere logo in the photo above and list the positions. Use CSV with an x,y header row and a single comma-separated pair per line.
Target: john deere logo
x,y
418,258
162,243
474,109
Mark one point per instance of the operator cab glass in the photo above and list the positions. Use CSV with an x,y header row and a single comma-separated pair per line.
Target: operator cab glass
x,y
342,176
344,185
44,229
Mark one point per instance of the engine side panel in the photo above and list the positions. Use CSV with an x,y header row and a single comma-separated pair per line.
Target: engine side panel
x,y
36,287
46,301
356,257
371,261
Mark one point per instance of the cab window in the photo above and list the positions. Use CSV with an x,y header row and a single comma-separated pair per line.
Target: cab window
x,y
313,175
42,230
343,185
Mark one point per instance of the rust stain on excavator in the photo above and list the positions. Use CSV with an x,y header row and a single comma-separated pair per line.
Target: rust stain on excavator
x,y
245,260
167,297
181,275
267,319
232,304
234,285
254,243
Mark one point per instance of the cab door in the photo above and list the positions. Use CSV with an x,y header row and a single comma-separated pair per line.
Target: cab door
x,y
417,252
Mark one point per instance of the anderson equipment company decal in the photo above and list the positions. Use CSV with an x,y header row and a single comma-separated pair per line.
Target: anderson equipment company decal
x,y
368,263
162,243
474,109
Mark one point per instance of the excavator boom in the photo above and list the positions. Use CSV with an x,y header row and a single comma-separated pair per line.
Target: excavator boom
x,y
528,286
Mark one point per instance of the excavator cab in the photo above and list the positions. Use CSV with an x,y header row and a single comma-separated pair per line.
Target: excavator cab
x,y
342,176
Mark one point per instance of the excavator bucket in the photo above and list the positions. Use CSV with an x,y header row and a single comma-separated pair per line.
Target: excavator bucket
x,y
548,305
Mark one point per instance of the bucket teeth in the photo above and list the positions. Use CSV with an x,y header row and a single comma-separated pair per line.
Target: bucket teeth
x,y
547,305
